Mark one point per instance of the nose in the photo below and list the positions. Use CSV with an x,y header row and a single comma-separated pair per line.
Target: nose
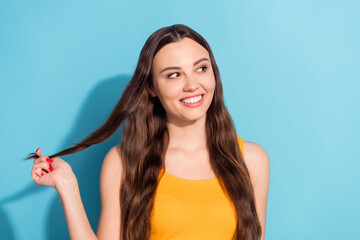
x,y
191,84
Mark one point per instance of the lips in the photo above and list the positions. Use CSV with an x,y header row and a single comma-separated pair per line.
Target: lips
x,y
193,104
192,96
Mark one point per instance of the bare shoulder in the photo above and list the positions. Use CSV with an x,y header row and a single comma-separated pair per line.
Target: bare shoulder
x,y
111,170
257,162
113,158
110,178
255,154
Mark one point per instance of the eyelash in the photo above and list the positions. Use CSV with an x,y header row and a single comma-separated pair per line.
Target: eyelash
x,y
205,67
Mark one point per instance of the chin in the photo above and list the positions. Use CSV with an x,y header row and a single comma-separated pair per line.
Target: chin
x,y
194,117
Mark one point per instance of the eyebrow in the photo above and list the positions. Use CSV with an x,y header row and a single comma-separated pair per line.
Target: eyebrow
x,y
196,62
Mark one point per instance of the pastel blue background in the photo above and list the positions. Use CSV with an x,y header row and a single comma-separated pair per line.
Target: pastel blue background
x,y
290,72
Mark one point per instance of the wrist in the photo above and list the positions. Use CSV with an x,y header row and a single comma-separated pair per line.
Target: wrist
x,y
66,184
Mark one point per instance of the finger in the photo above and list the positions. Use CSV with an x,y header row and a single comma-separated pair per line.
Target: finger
x,y
38,152
36,173
43,165
43,159
39,159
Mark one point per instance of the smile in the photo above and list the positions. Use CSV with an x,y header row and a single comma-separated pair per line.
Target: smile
x,y
193,101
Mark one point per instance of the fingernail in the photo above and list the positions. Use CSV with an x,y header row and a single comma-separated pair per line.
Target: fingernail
x,y
49,160
37,150
50,168
42,173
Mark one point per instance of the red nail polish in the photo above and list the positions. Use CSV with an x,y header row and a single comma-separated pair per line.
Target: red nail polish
x,y
50,168
49,160
37,150
42,173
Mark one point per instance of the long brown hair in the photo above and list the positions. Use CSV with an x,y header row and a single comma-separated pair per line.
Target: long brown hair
x,y
145,139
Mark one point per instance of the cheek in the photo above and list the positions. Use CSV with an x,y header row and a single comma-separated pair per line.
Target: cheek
x,y
169,91
167,94
210,85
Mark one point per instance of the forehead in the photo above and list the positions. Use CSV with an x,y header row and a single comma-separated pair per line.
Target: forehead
x,y
182,52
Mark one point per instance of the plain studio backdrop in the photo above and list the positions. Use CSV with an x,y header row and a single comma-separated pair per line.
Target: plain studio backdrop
x,y
290,72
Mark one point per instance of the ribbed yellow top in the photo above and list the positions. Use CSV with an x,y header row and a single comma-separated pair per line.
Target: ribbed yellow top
x,y
187,209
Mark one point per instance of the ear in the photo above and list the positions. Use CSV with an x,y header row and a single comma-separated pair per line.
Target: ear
x,y
152,92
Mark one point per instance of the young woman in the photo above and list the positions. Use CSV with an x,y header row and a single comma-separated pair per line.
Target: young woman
x,y
180,170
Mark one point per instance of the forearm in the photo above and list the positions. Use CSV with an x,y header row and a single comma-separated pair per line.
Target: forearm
x,y
76,219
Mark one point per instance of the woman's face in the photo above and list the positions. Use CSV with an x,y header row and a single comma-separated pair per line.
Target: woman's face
x,y
183,80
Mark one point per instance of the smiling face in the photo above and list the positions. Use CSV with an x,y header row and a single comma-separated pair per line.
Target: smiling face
x,y
183,80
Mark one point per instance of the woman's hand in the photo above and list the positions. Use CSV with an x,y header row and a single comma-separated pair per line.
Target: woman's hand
x,y
52,172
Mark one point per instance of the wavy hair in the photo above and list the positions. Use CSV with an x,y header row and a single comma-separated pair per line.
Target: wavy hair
x,y
145,139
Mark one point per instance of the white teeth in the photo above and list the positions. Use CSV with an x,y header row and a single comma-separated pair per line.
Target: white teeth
x,y
192,100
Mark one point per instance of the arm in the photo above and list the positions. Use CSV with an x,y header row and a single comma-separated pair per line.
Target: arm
x,y
110,180
58,174
258,164
77,221
109,222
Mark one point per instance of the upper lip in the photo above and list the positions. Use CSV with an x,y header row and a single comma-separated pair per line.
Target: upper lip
x,y
192,96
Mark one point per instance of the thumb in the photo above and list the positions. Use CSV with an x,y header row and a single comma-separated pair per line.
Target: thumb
x,y
38,152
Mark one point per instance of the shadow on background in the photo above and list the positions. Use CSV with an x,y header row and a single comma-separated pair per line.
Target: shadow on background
x,y
86,164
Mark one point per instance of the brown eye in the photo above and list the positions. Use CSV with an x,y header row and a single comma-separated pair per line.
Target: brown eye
x,y
204,67
171,74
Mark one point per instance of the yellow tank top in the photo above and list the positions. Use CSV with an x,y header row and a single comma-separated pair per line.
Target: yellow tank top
x,y
187,209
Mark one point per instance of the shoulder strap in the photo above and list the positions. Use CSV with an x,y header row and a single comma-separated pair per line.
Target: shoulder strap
x,y
241,144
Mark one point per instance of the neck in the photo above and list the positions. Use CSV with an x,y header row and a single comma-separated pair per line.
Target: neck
x,y
189,135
